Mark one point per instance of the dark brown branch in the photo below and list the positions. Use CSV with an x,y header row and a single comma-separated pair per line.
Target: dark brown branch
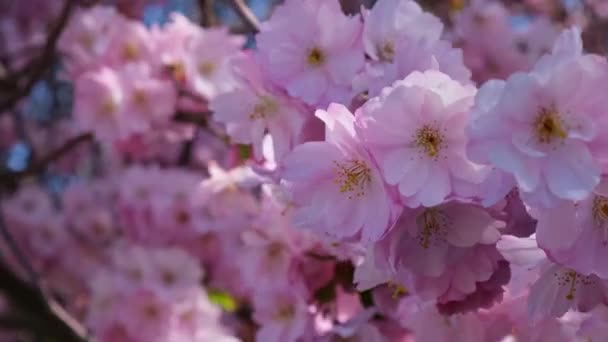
x,y
246,15
39,65
44,315
207,11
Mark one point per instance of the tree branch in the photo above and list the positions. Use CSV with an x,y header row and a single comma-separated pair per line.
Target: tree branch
x,y
44,314
41,164
38,65
246,15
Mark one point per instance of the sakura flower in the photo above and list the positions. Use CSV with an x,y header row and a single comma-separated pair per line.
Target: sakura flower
x,y
415,56
393,22
504,48
256,108
415,130
146,317
538,126
334,184
312,50
283,315
99,104
208,71
575,234
150,100
174,272
129,42
442,253
428,325
557,288
86,37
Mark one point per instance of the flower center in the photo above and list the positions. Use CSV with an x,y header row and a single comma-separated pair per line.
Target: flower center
x,y
274,250
432,225
206,68
429,140
130,52
549,126
353,177
316,57
285,312
386,51
572,280
600,215
107,108
140,98
398,291
265,108
182,217
168,278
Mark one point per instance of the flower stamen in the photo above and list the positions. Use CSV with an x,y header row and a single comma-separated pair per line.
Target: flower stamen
x,y
600,215
316,57
265,108
432,223
353,177
549,126
429,140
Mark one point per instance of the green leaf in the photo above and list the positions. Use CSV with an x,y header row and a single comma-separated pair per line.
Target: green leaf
x,y
244,152
222,299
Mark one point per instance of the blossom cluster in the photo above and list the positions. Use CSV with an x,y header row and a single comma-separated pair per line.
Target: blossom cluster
x,y
372,176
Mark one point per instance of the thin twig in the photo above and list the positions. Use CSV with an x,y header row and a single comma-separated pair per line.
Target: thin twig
x,y
12,244
42,62
40,165
207,11
246,14
58,325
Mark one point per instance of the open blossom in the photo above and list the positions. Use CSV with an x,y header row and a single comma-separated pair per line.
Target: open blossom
x,y
556,288
207,66
444,250
312,50
393,22
503,48
129,42
282,314
415,130
544,127
401,38
256,108
99,104
86,37
334,184
575,234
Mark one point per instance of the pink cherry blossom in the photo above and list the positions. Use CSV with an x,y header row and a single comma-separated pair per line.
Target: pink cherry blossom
x,y
313,60
283,316
256,108
538,126
335,186
415,130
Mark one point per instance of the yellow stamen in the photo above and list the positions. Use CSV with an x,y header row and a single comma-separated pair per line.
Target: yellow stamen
x,y
432,226
430,140
130,52
206,68
353,177
265,108
316,57
399,291
599,211
549,126
285,312
386,52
